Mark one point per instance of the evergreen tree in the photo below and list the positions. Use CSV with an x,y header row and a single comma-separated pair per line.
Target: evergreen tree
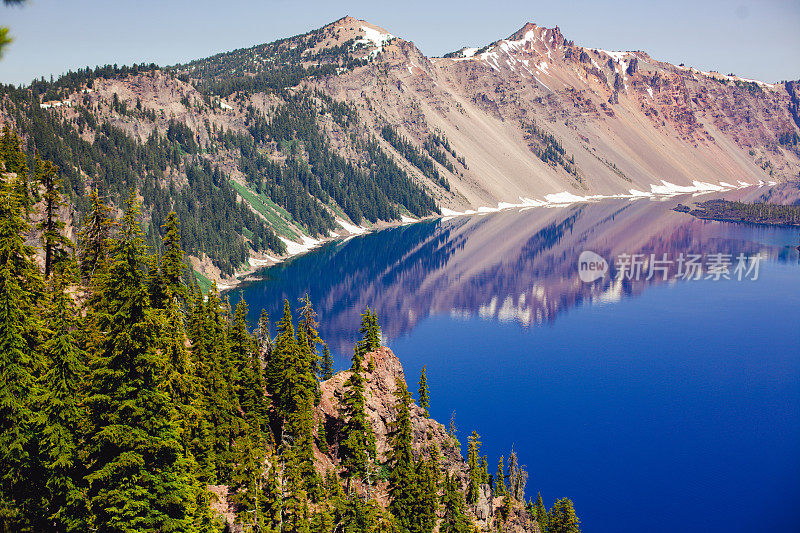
x,y
561,518
247,479
284,352
262,335
539,513
54,242
94,237
424,400
370,332
403,477
139,477
475,473
173,264
427,489
499,480
21,288
308,323
454,518
327,363
248,375
358,446
295,506
61,419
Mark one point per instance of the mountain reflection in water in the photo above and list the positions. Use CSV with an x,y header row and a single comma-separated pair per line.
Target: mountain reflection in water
x,y
511,266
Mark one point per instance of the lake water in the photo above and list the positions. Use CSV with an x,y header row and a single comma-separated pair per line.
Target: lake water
x,y
656,405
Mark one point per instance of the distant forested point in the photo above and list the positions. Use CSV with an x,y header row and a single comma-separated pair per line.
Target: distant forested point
x,y
754,213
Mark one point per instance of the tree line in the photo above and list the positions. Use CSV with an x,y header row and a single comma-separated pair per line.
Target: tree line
x,y
127,394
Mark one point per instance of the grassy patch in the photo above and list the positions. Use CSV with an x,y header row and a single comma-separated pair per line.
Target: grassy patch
x,y
275,215
204,282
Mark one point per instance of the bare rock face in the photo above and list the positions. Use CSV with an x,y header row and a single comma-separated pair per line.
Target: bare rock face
x,y
382,369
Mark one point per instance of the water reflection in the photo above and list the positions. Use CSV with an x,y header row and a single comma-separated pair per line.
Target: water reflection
x,y
511,266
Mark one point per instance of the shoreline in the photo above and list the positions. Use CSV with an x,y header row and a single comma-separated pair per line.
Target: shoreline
x,y
245,276
662,192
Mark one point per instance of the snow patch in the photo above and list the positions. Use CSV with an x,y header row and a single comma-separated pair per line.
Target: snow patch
x,y
356,230
294,248
564,197
375,38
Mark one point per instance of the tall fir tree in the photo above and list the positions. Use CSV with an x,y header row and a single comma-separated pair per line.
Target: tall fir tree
x,y
474,471
539,512
139,477
370,332
93,239
61,421
173,263
403,476
357,448
423,391
561,518
21,290
500,479
326,370
55,244
454,517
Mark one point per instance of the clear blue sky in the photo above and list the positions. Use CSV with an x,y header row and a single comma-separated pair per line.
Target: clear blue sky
x,y
752,38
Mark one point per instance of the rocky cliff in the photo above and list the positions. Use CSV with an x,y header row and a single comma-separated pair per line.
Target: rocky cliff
x,y
382,368
349,127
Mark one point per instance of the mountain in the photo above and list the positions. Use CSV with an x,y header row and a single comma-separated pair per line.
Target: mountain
x,y
267,150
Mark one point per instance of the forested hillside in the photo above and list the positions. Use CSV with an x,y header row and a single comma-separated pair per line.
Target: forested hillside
x,y
243,177
132,402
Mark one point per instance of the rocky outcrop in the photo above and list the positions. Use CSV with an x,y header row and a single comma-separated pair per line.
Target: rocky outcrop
x,y
382,369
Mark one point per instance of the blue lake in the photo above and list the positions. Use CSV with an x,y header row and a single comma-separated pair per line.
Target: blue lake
x,y
656,405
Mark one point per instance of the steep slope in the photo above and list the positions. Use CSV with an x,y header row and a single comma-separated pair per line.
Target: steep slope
x,y
268,150
534,114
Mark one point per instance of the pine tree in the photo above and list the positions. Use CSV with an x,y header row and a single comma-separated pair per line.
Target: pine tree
x,y
295,506
562,518
358,446
370,332
248,376
473,467
424,400
402,479
139,477
308,323
21,288
94,238
427,489
54,242
248,479
327,363
262,335
454,518
173,264
284,352
499,480
540,513
61,419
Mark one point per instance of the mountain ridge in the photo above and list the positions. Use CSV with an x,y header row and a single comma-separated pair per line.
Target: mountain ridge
x,y
313,132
